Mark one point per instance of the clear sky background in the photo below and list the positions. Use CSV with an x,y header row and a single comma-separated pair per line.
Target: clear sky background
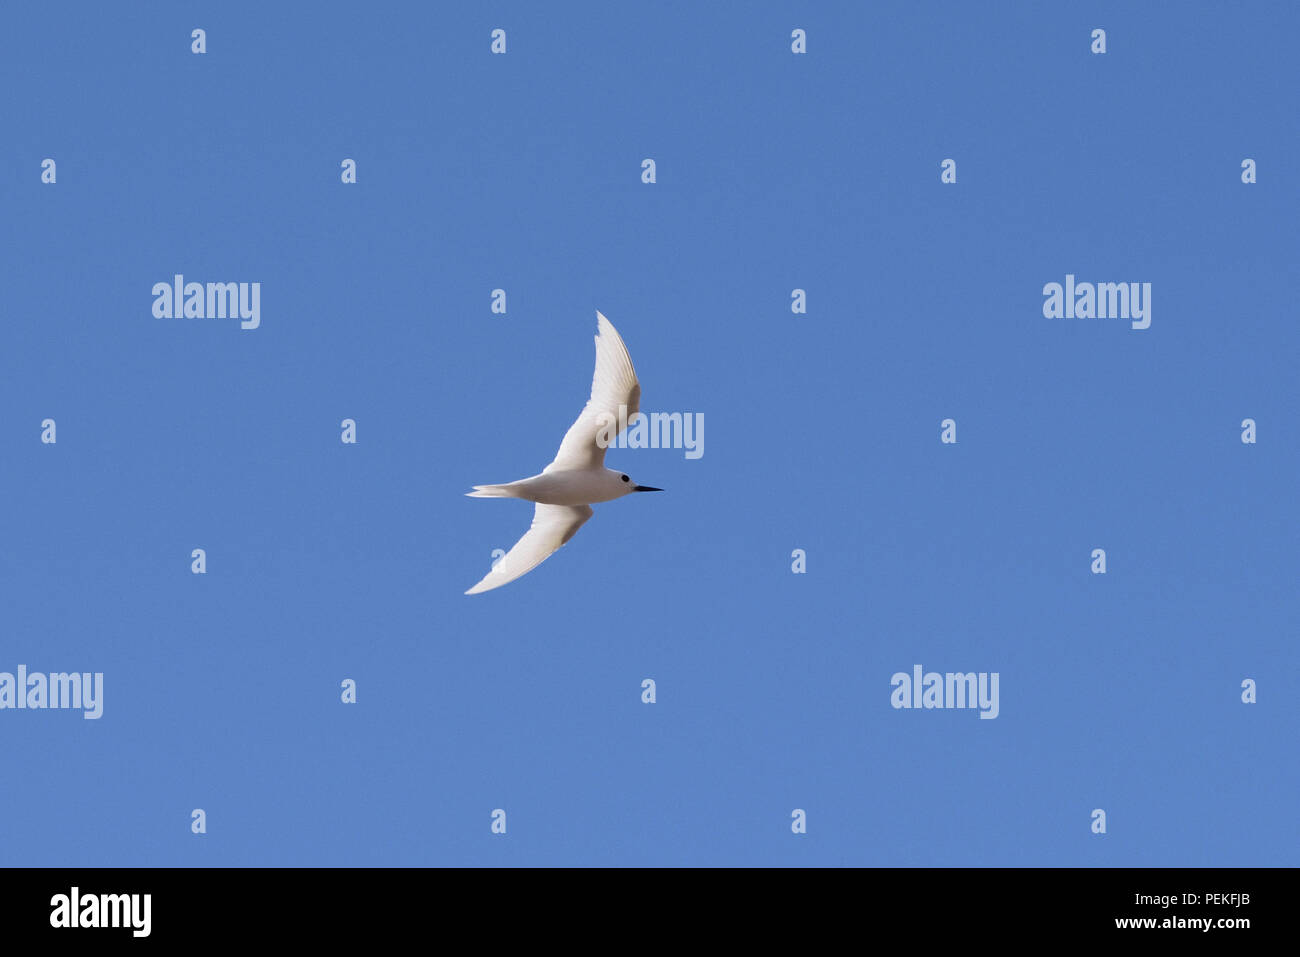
x,y
775,172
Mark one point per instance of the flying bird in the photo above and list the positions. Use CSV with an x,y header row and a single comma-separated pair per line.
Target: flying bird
x,y
565,489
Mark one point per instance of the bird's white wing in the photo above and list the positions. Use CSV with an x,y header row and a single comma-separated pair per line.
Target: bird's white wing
x,y
553,525
614,384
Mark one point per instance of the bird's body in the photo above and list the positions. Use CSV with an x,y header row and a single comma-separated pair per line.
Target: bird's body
x,y
571,487
565,490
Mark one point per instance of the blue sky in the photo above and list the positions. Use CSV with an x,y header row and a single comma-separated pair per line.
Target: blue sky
x,y
775,171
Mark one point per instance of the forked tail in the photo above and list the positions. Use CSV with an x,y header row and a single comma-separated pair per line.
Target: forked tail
x,y
493,491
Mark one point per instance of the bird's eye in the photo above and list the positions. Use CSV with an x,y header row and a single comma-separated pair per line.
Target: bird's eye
x,y
624,478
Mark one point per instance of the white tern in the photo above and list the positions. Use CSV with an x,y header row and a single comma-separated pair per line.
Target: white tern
x,y
566,489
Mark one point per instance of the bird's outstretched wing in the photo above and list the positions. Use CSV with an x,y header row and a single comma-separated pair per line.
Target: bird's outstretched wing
x,y
614,384
553,525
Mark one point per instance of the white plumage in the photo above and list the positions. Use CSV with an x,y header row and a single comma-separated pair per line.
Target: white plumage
x,y
565,489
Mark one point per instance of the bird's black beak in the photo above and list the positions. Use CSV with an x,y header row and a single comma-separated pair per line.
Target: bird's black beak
x,y
645,488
